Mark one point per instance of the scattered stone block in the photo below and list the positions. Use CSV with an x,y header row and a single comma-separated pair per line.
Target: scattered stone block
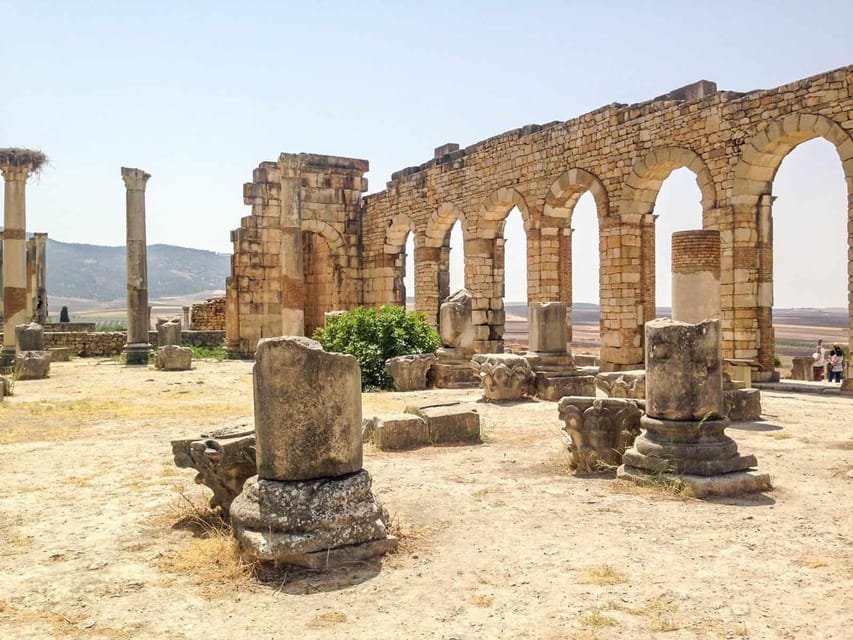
x,y
552,388
452,369
174,358
60,354
454,320
169,333
449,423
600,429
401,431
548,331
32,365
802,368
409,373
743,405
30,337
224,460
505,376
622,384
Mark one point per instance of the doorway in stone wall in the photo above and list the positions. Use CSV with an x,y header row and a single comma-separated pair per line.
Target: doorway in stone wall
x,y
320,276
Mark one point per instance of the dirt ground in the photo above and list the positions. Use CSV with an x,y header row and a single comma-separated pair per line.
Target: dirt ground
x,y
499,540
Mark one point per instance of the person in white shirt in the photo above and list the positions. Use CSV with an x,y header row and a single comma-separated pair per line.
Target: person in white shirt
x,y
819,357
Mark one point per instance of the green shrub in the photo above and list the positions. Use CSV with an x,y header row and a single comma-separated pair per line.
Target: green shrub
x,y
374,335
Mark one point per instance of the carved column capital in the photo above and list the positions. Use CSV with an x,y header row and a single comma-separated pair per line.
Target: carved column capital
x,y
15,172
134,179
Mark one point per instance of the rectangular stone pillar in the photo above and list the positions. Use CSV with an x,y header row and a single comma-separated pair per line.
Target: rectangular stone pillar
x,y
14,256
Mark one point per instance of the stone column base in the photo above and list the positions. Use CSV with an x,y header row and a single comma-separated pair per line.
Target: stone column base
x,y
320,524
726,485
136,353
7,356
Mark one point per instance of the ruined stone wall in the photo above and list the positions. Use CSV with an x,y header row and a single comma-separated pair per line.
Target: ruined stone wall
x,y
96,344
208,315
324,193
733,142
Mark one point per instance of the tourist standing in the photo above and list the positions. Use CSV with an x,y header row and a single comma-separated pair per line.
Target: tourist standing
x,y
819,357
836,363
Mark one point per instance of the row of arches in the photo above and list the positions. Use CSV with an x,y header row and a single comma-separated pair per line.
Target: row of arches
x,y
739,205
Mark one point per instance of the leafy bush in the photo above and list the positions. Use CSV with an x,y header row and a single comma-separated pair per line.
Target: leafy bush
x,y
374,335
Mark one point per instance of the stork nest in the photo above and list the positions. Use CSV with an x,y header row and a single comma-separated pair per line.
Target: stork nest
x,y
16,157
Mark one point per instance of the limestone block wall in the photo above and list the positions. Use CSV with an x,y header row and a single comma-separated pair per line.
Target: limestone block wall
x,y
92,344
733,143
208,315
324,194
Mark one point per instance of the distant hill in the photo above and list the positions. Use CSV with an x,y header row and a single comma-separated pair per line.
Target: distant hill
x,y
99,273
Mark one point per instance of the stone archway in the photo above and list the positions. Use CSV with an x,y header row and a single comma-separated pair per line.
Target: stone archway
x,y
394,251
432,259
322,248
484,261
555,233
751,201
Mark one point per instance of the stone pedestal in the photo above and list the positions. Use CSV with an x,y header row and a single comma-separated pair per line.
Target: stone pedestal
x,y
32,365
552,364
137,349
30,337
169,333
452,369
311,503
802,368
684,426
600,429
505,376
409,373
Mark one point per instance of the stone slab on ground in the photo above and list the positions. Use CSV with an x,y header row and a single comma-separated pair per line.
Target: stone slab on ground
x,y
174,358
449,423
724,485
401,431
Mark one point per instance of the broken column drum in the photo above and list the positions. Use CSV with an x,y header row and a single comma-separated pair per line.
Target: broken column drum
x,y
311,503
452,369
695,275
684,424
137,349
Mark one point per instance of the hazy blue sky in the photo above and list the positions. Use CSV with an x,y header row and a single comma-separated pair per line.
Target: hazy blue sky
x,y
198,93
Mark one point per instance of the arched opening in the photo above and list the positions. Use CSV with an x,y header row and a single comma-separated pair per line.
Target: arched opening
x,y
754,193
456,259
585,277
678,207
514,275
320,276
408,260
809,233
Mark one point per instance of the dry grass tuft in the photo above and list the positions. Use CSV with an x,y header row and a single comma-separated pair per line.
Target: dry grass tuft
x,y
327,619
779,436
596,620
413,537
657,487
602,575
660,612
481,601
812,562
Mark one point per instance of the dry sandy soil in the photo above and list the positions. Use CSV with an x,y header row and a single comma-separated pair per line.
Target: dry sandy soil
x,y
499,540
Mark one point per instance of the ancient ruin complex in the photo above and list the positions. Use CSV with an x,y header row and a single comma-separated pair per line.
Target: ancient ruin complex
x,y
314,243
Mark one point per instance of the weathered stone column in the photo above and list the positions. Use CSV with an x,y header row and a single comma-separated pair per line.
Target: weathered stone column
x,y
137,348
14,254
290,257
40,285
695,276
186,311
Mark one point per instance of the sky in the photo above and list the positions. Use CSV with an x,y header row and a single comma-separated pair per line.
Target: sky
x,y
199,93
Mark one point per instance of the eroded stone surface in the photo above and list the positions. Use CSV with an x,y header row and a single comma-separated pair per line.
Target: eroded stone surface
x,y
743,405
401,431
547,327
307,410
600,429
224,460
622,384
449,423
553,387
505,376
30,337
452,369
293,522
455,327
32,365
169,333
684,378
174,358
410,372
